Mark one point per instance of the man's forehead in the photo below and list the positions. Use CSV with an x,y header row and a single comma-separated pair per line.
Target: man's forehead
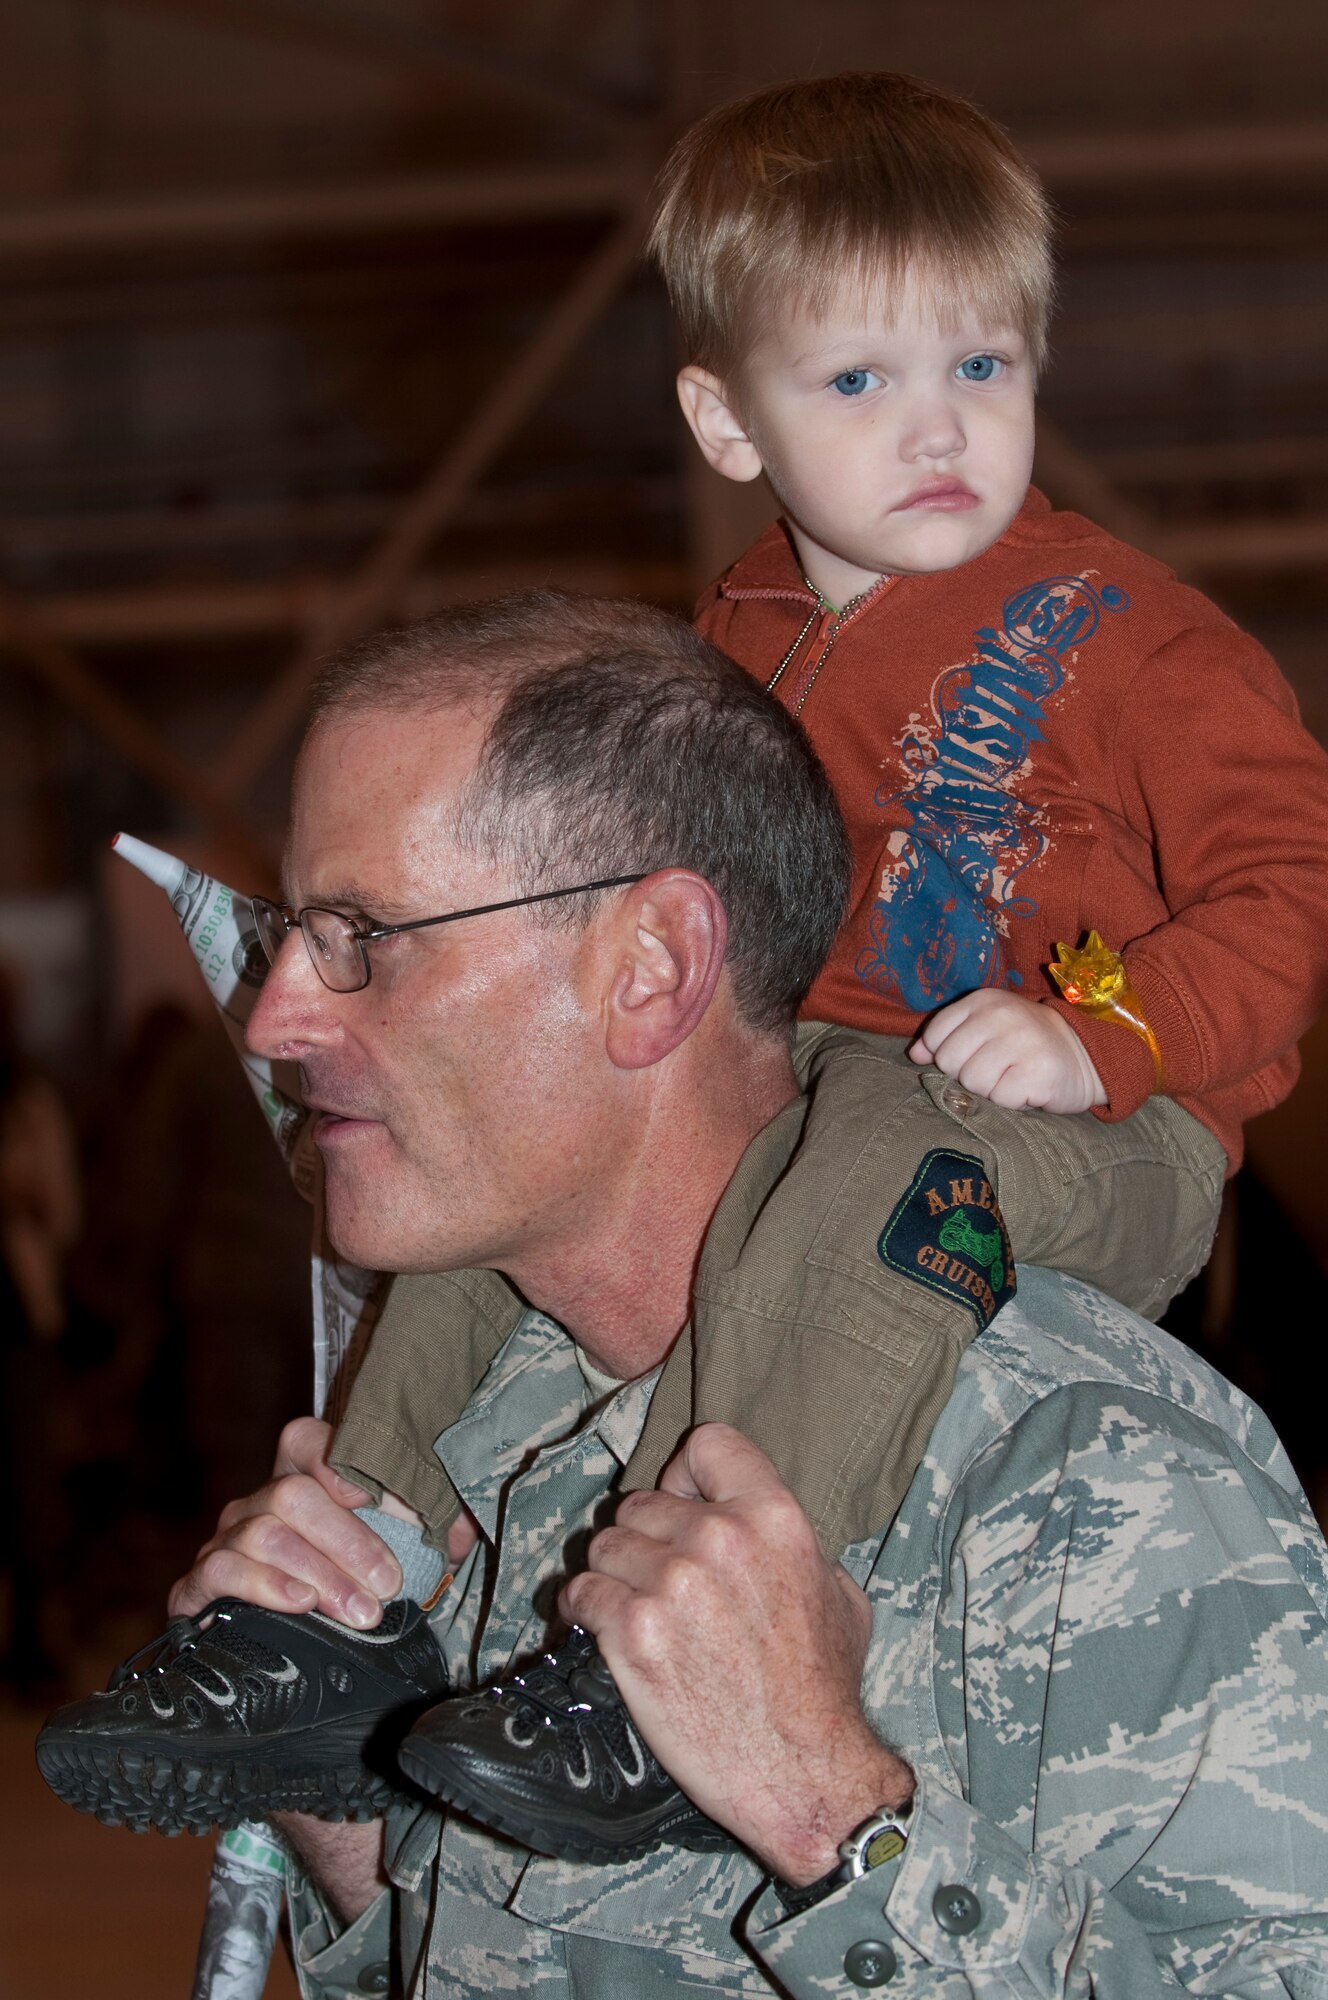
x,y
374,805
436,741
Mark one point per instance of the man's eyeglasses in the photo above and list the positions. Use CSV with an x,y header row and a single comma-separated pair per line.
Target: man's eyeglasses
x,y
339,951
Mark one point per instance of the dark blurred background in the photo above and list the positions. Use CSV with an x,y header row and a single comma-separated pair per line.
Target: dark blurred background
x,y
316,314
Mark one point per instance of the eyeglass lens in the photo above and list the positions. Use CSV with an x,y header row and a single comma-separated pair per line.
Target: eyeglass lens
x,y
338,956
272,925
336,953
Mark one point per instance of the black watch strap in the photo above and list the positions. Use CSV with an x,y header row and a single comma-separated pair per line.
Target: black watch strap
x,y
878,1840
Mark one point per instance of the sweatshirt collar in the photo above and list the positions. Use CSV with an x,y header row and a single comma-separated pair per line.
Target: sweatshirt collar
x,y
770,569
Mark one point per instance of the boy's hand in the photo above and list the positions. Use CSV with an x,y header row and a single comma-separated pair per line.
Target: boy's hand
x,y
1017,1053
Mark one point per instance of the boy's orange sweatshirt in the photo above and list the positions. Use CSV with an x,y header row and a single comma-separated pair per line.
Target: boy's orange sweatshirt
x,y
1056,737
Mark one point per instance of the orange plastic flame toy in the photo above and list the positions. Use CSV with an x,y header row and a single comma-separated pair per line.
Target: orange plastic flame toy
x,y
1093,977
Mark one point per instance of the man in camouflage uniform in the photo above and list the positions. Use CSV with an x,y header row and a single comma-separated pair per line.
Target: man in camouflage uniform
x,y
1093,1632
1097,1638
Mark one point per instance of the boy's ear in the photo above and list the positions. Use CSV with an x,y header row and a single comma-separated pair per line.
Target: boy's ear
x,y
716,425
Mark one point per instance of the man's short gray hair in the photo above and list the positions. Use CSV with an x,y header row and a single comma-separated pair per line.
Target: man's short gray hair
x,y
621,741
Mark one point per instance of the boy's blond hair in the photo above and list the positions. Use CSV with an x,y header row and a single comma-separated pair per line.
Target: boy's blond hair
x,y
847,180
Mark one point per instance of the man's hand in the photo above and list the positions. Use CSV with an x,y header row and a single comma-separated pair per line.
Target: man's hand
x,y
1014,1051
296,1545
739,1652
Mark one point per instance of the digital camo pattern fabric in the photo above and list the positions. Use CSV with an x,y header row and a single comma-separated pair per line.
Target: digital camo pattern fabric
x,y
1106,1594
1099,1637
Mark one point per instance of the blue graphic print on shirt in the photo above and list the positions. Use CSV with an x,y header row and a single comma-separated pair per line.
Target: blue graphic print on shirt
x,y
967,837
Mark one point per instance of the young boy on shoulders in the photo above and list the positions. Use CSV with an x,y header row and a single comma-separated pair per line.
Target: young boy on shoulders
x,y
1034,733
1033,730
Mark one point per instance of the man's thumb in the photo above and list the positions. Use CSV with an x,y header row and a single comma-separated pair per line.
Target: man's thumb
x,y
715,1462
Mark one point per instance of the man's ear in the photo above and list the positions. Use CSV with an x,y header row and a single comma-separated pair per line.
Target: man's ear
x,y
716,425
667,949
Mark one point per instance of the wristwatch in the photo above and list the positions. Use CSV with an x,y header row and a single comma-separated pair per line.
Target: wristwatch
x,y
878,1840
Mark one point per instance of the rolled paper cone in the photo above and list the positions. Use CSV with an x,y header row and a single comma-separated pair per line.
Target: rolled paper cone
x,y
245,1892
218,924
219,928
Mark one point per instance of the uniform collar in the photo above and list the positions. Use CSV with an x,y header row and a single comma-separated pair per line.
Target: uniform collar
x,y
533,1396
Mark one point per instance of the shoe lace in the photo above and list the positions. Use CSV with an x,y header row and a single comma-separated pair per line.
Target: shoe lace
x,y
160,1653
572,1680
165,1653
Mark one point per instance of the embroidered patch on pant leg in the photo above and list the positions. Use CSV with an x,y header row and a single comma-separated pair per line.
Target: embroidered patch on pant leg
x,y
946,1232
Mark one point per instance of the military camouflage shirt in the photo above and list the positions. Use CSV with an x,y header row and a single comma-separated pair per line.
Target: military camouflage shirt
x,y
1099,1638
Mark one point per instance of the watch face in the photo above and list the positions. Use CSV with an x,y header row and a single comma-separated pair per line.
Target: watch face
x,y
887,1844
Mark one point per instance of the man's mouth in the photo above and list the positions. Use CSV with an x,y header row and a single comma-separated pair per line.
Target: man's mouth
x,y
940,496
332,1127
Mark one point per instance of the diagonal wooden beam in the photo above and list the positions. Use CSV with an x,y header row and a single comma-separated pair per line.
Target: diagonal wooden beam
x,y
116,725
370,595
1200,552
1073,479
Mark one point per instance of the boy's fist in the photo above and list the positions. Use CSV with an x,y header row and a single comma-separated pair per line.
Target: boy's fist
x,y
1017,1053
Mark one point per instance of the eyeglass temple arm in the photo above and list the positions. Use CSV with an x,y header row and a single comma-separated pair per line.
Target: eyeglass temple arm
x,y
487,909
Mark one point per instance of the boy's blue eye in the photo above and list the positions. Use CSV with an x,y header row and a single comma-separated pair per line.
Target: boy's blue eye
x,y
854,380
979,368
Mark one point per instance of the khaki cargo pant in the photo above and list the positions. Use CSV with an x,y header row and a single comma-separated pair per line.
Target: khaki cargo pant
x,y
802,1336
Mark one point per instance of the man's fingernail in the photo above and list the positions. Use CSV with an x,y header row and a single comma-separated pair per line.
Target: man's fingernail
x,y
384,1578
300,1594
350,1489
362,1610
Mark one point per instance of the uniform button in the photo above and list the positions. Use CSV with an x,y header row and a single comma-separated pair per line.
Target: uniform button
x,y
956,1909
374,1979
959,1101
870,1963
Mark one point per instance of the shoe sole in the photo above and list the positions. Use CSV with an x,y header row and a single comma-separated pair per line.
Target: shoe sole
x,y
432,1774
141,1789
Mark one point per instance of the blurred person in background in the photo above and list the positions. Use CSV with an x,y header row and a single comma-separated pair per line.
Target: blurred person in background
x,y
40,1213
195,1267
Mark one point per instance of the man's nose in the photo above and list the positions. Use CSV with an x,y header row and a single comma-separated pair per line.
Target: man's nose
x,y
294,1011
932,427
